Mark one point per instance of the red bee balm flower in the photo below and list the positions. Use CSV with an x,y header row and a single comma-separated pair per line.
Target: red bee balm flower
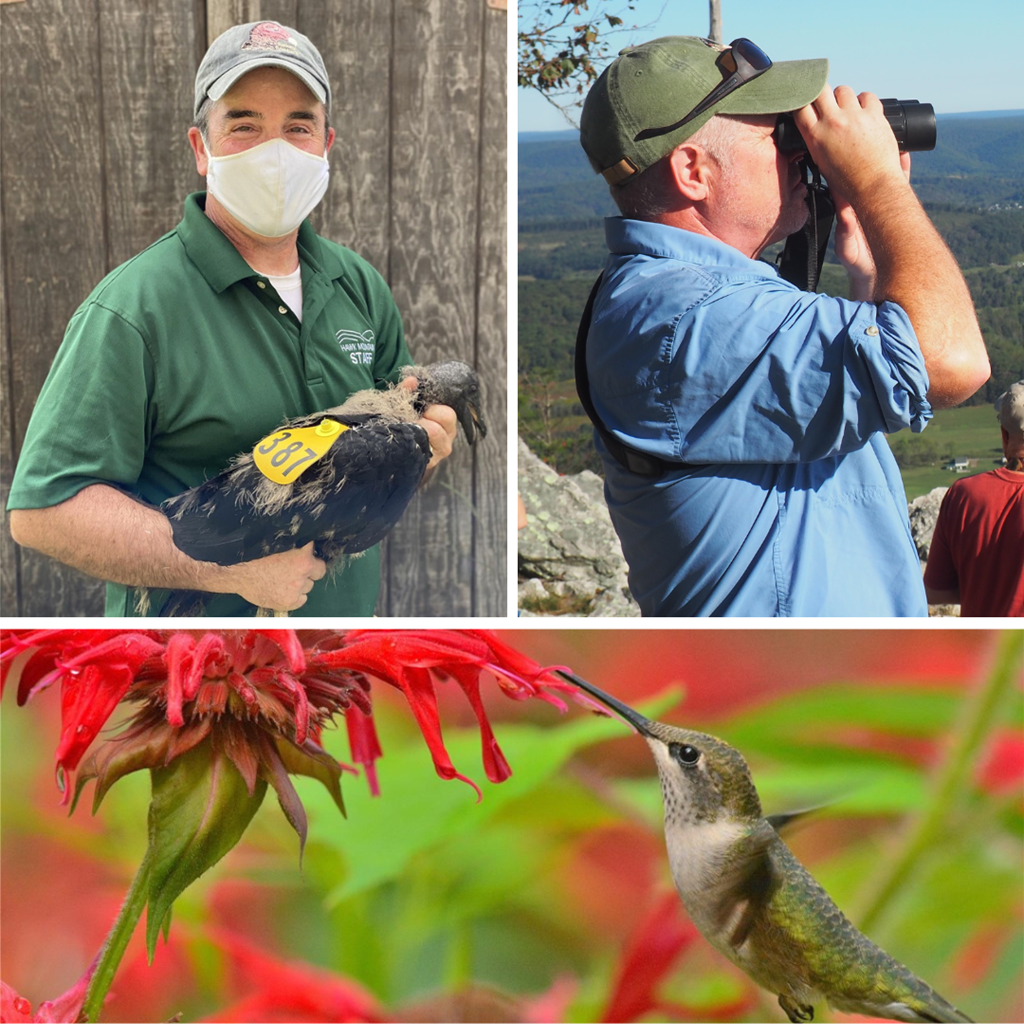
x,y
223,714
412,659
261,696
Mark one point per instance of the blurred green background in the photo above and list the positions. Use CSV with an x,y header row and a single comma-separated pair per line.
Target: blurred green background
x,y
550,899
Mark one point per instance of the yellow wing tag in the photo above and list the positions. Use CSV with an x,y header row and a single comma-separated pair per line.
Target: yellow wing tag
x,y
285,455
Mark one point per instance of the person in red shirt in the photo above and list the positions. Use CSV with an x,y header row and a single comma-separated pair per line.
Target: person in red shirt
x,y
977,553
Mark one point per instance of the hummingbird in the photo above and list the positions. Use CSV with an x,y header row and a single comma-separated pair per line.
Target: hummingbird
x,y
752,899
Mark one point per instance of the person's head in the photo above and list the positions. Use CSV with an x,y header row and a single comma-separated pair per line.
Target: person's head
x,y
239,51
262,83
1010,411
718,170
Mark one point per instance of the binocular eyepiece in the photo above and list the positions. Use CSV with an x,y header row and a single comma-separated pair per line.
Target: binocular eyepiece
x,y
911,122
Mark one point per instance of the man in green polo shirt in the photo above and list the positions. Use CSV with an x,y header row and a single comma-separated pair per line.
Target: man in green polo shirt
x,y
193,350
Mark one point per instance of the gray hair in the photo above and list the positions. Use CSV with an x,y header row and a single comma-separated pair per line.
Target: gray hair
x,y
202,121
645,196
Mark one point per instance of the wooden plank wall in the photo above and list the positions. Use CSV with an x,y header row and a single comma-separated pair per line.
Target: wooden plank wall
x,y
97,98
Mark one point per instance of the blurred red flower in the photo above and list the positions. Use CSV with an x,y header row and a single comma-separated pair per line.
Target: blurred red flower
x,y
292,990
67,1007
649,957
278,990
1002,769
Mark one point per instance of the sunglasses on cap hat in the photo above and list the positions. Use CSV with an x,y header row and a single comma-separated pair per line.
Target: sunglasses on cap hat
x,y
741,63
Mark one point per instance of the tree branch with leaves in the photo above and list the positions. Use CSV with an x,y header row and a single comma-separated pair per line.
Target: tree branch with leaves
x,y
562,41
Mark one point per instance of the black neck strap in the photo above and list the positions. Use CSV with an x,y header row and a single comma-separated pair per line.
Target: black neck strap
x,y
636,462
802,258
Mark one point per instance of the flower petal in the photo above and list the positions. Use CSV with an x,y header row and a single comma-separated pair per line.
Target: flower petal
x,y
87,701
65,1009
14,1008
409,659
364,744
178,656
290,645
495,765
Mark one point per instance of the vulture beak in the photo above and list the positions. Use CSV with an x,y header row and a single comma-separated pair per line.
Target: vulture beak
x,y
467,411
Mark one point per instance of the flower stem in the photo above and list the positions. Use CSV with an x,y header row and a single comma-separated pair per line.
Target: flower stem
x,y
116,944
981,714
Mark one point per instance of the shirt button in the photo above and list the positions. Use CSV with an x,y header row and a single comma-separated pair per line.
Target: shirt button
x,y
261,284
871,331
284,309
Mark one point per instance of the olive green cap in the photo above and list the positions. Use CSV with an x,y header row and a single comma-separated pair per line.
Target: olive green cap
x,y
659,82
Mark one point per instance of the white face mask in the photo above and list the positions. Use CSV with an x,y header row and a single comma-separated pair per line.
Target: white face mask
x,y
270,188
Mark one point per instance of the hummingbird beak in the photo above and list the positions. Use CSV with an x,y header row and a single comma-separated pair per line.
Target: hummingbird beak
x,y
643,725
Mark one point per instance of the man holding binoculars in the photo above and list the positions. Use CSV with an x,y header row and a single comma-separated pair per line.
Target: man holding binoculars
x,y
740,417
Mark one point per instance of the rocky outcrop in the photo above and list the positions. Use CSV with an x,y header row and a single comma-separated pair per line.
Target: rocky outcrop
x,y
570,562
924,511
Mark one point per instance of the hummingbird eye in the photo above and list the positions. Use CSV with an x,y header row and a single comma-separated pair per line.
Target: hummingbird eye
x,y
686,755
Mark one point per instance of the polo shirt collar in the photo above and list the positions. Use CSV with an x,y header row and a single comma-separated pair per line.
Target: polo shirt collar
x,y
318,255
221,263
640,237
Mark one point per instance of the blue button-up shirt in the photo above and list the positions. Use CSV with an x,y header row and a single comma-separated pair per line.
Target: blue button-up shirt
x,y
777,399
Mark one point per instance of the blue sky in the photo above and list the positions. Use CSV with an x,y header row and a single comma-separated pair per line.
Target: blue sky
x,y
958,55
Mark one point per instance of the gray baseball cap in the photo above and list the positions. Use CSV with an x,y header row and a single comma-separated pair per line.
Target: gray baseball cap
x,y
658,82
1010,409
255,45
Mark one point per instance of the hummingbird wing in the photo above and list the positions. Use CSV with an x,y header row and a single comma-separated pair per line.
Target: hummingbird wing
x,y
782,821
747,885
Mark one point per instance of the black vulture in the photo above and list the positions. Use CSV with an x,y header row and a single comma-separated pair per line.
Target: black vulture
x,y
345,499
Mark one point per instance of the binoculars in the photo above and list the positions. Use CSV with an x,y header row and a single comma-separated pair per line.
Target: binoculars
x,y
911,122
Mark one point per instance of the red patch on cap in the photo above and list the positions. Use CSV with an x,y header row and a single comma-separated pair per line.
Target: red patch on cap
x,y
269,35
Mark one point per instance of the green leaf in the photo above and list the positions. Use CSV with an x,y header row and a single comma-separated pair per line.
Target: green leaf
x,y
199,810
805,725
417,810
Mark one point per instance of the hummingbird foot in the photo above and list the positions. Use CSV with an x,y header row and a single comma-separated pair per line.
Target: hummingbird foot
x,y
798,1013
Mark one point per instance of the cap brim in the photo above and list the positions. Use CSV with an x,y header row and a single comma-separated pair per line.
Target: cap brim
x,y
228,79
785,86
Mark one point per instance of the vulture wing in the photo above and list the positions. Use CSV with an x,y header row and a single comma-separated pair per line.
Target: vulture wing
x,y
347,501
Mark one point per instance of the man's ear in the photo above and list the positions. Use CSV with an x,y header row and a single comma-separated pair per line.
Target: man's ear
x,y
690,167
199,150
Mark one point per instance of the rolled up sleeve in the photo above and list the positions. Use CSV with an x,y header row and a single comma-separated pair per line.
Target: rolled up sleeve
x,y
800,377
906,398
91,421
